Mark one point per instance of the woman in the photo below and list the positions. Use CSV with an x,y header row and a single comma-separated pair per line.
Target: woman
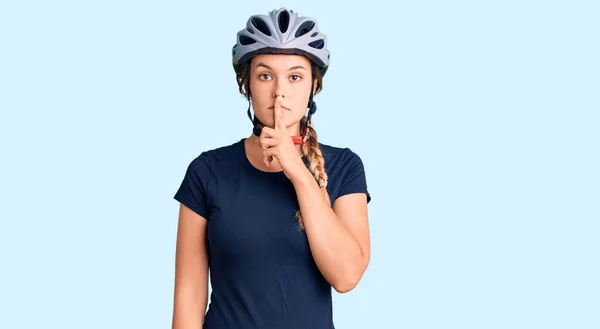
x,y
277,217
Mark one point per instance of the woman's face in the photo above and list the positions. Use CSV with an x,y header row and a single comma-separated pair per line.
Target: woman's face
x,y
287,75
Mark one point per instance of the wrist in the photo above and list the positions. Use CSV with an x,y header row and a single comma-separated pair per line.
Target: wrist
x,y
303,177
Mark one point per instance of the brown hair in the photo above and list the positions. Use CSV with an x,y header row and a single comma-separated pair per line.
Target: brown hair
x,y
311,149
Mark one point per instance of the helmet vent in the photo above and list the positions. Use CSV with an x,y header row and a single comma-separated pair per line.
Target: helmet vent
x,y
260,25
284,21
246,40
305,28
318,44
250,30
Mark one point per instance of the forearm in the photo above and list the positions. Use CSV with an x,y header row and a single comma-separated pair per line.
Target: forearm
x,y
336,252
189,308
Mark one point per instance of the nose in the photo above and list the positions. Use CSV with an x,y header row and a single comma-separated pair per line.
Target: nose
x,y
279,89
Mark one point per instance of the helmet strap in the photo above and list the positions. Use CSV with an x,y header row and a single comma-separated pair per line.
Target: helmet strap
x,y
312,107
257,129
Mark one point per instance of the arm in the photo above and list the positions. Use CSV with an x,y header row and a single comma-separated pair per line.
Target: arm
x,y
339,236
191,271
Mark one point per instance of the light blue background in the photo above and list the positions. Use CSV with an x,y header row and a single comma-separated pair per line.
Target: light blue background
x,y
478,123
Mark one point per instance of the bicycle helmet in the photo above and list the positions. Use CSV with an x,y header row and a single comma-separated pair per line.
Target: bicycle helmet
x,y
282,32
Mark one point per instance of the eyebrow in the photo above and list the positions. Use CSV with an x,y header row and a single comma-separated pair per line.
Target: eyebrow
x,y
291,68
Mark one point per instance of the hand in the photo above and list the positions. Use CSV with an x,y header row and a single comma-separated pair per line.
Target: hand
x,y
277,145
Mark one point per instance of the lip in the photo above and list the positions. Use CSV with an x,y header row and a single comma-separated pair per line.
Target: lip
x,y
282,107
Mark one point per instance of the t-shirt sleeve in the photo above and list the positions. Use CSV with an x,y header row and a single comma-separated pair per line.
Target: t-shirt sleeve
x,y
354,178
193,189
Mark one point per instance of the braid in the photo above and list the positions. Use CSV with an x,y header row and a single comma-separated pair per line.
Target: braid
x,y
316,166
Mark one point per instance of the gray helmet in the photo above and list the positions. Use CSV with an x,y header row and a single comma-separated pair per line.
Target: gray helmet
x,y
281,32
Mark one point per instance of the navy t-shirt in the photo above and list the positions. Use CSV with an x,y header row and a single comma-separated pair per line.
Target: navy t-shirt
x,y
262,272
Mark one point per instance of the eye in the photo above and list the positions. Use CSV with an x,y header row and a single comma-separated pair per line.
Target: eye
x,y
264,76
296,77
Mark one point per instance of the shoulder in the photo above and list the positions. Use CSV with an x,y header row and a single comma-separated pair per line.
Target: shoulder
x,y
212,162
339,157
345,171
218,155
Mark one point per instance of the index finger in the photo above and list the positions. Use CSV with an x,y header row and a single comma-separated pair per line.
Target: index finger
x,y
278,115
